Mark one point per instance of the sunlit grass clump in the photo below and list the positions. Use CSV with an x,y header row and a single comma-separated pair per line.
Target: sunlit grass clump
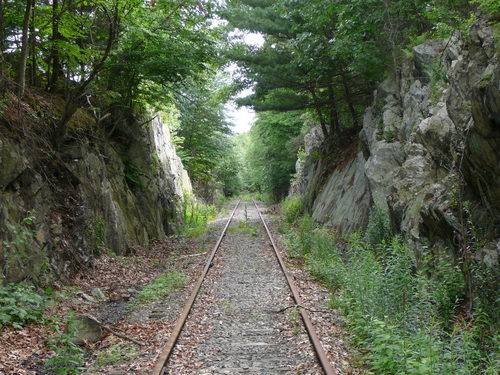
x,y
162,286
195,216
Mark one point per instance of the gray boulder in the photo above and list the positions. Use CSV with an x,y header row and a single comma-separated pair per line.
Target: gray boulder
x,y
84,328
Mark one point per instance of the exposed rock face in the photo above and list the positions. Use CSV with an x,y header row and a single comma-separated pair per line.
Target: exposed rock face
x,y
117,192
303,168
430,142
346,194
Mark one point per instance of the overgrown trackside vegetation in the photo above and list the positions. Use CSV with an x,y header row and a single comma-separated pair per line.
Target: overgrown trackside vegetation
x,y
196,216
407,314
162,286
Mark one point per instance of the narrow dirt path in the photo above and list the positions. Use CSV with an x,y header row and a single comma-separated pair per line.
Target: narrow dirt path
x,y
234,327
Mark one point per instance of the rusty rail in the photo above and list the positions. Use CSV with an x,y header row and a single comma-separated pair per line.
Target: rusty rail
x,y
318,348
164,355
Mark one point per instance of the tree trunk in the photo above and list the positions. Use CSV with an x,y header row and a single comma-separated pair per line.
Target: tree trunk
x,y
32,49
348,99
394,31
24,49
2,37
334,116
75,97
55,59
2,28
317,107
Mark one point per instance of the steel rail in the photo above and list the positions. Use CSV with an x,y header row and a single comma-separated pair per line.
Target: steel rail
x,y
318,347
164,355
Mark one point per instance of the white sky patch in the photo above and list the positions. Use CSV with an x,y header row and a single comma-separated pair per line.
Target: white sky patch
x,y
254,39
242,118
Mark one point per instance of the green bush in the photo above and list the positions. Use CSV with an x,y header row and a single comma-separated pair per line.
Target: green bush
x,y
324,261
95,231
22,251
264,197
490,6
292,209
20,305
133,175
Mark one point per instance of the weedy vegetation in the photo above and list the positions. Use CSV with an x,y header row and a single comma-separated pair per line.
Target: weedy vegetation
x,y
162,286
116,353
69,357
195,216
21,305
407,315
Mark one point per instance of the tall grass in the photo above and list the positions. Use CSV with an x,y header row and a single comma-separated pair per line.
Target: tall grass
x,y
195,216
292,208
407,318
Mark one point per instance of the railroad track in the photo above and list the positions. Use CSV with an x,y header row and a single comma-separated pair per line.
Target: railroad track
x,y
162,362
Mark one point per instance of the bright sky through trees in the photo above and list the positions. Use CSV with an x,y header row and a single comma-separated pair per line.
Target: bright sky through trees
x,y
243,117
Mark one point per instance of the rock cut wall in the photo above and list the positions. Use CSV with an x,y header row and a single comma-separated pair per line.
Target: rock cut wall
x,y
430,148
97,192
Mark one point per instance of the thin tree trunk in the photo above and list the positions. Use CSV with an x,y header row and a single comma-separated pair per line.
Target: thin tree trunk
x,y
348,98
32,49
2,27
334,116
317,107
2,36
24,49
54,52
394,31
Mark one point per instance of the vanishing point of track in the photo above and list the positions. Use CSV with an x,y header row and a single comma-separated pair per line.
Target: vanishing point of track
x,y
163,358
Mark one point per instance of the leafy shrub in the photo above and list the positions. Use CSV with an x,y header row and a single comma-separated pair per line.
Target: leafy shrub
x,y
292,208
20,305
220,200
133,174
264,197
378,231
21,251
299,240
438,80
490,6
69,358
95,231
324,260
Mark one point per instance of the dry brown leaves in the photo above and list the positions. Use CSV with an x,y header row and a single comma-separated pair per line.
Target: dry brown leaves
x,y
17,346
24,351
